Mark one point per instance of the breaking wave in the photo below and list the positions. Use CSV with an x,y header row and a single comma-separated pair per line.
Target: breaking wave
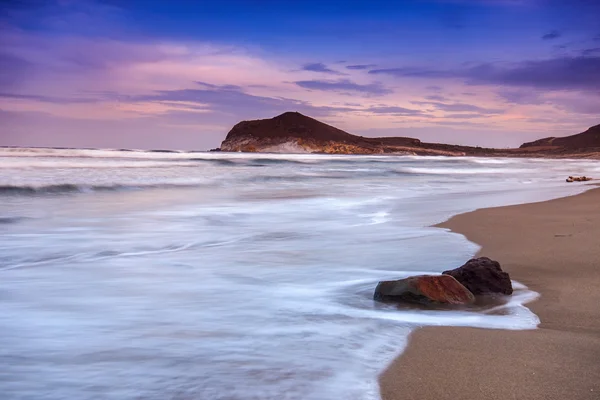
x,y
78,188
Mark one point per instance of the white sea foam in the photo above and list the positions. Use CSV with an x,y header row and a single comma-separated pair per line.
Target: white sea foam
x,y
233,276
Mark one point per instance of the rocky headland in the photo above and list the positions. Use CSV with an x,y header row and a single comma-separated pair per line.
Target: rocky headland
x,y
292,132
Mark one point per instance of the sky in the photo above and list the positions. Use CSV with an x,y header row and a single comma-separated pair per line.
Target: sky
x,y
148,74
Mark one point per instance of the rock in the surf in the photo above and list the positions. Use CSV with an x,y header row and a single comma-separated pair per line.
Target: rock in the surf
x,y
482,276
442,289
578,179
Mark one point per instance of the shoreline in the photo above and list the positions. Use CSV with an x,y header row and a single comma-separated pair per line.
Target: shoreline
x,y
553,248
521,155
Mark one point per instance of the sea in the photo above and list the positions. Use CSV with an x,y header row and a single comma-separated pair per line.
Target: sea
x,y
234,276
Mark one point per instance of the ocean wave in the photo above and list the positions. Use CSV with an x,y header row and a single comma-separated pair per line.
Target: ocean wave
x,y
462,171
218,161
7,264
108,163
492,161
11,220
251,162
79,188
96,153
64,188
275,161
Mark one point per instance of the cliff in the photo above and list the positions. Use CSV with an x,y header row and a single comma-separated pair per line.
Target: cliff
x,y
589,139
292,132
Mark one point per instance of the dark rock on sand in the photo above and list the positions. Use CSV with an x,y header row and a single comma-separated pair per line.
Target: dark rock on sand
x,y
424,289
482,276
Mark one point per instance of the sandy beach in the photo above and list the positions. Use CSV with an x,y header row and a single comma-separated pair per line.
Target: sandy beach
x,y
552,247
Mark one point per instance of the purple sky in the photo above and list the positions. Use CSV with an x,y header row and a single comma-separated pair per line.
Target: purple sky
x,y
180,74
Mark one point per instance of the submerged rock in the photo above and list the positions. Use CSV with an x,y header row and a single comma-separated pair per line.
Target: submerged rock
x,y
424,289
482,276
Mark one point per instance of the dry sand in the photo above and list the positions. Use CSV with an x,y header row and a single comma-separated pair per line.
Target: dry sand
x,y
552,247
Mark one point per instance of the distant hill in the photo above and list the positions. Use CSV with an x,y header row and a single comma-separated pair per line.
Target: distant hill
x,y
585,140
292,132
292,129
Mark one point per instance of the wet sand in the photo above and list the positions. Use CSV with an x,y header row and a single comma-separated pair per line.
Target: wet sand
x,y
552,247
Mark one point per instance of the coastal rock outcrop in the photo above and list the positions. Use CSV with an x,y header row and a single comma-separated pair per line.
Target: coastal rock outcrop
x,y
292,132
578,179
442,289
588,139
482,276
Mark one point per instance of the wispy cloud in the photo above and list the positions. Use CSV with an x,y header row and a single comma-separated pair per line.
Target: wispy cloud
x,y
320,67
465,116
393,110
361,66
458,107
591,52
522,97
345,85
562,73
49,99
233,100
220,87
551,35
436,97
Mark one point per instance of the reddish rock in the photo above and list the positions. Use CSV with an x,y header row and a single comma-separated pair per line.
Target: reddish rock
x,y
482,276
424,289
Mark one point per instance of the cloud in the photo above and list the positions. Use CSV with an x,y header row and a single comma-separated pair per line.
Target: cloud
x,y
574,103
190,131
522,97
464,116
416,72
591,52
320,67
361,66
344,85
491,2
436,97
219,87
561,73
49,99
13,70
232,100
85,17
393,110
459,107
552,35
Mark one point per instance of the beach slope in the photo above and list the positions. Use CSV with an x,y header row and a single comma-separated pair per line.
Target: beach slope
x,y
552,247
